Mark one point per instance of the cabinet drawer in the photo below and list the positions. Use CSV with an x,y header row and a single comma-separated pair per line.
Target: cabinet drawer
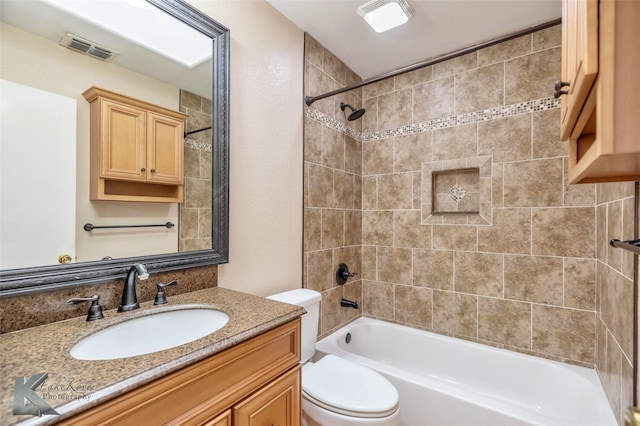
x,y
196,393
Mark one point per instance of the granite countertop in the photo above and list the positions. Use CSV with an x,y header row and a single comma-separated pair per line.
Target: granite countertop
x,y
74,385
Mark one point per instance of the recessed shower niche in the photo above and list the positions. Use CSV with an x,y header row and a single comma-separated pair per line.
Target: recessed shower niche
x,y
457,192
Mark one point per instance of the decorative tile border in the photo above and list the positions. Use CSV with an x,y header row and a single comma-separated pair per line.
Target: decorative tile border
x,y
194,144
440,123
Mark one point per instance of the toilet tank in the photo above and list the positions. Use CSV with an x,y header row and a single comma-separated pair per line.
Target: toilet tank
x,y
310,301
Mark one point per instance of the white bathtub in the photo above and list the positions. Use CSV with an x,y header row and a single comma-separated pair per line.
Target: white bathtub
x,y
444,381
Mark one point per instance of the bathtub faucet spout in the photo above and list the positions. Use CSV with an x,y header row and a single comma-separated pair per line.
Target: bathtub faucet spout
x,y
348,304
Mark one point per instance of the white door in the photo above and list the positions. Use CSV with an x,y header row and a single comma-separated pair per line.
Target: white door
x,y
37,176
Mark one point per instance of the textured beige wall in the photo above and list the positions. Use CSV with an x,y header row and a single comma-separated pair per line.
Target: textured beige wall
x,y
540,278
266,147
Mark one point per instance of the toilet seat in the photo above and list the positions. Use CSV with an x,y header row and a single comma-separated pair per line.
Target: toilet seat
x,y
347,388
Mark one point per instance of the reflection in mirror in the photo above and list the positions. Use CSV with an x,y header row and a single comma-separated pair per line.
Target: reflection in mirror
x,y
47,175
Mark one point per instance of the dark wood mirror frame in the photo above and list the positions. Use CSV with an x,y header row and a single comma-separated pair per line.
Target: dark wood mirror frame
x,y
30,280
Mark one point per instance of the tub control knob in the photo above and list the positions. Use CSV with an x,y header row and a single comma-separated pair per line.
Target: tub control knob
x,y
342,274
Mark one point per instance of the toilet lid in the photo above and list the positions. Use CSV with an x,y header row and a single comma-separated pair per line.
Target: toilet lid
x,y
344,386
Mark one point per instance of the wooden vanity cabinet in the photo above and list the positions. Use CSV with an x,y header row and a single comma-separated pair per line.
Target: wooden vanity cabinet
x,y
137,149
600,114
255,383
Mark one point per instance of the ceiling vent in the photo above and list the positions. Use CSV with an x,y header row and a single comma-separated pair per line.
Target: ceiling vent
x,y
87,47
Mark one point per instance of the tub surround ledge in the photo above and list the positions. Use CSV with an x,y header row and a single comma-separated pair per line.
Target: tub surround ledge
x,y
73,385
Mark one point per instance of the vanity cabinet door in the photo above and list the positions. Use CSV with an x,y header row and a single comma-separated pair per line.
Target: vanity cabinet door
x,y
165,149
579,58
223,419
277,404
123,147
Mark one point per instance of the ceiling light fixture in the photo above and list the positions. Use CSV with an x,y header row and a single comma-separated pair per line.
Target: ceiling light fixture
x,y
383,15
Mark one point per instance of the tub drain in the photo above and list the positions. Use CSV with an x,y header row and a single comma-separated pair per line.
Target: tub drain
x,y
348,338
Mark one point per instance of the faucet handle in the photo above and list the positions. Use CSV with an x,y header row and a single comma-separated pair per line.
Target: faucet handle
x,y
95,310
161,299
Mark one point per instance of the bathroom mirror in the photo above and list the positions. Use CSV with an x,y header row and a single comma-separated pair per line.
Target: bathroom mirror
x,y
39,278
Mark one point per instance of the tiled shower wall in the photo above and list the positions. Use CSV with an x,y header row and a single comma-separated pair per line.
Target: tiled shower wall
x,y
195,211
534,278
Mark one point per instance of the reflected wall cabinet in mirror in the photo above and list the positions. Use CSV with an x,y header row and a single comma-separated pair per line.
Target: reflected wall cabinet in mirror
x,y
38,58
137,149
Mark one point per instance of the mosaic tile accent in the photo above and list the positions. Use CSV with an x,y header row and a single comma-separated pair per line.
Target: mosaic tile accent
x,y
457,193
440,123
194,144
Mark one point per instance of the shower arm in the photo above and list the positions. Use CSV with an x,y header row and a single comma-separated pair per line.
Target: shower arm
x,y
311,99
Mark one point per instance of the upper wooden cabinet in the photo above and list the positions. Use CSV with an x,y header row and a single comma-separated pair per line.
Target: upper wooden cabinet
x,y
600,115
137,149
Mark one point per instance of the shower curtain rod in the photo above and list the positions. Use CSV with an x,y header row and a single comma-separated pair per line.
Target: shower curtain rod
x,y
311,99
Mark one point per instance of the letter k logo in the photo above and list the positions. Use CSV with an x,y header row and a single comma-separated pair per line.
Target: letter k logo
x,y
26,401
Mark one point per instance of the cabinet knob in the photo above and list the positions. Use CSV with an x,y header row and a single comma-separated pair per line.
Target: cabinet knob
x,y
557,86
143,169
153,170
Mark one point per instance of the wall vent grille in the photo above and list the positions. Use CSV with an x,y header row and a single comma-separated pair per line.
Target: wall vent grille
x,y
87,47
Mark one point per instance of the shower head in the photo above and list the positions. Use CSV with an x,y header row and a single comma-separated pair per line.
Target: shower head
x,y
355,113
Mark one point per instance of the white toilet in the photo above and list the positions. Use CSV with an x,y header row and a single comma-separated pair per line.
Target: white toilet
x,y
335,391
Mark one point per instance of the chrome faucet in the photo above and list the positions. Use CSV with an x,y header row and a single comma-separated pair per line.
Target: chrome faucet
x,y
129,298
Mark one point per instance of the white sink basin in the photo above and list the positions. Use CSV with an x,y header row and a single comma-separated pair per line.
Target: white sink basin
x,y
150,333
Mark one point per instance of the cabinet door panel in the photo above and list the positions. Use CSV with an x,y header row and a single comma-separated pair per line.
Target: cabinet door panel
x,y
223,419
123,153
277,404
166,147
579,57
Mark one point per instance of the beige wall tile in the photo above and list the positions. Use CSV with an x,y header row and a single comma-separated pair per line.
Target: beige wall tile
x,y
394,265
377,299
456,65
408,232
565,333
370,119
628,221
509,233
319,82
503,51
546,135
433,269
313,51
377,157
320,275
411,151
451,237
577,195
535,279
547,38
433,100
369,263
455,142
478,273
535,183
352,155
394,108
369,192
580,283
497,182
455,313
616,301
602,243
320,186
377,228
377,89
504,321
334,67
331,311
614,230
332,228
413,78
606,192
563,232
312,229
344,195
353,227
414,305
507,139
312,141
529,77
479,89
332,149
395,191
